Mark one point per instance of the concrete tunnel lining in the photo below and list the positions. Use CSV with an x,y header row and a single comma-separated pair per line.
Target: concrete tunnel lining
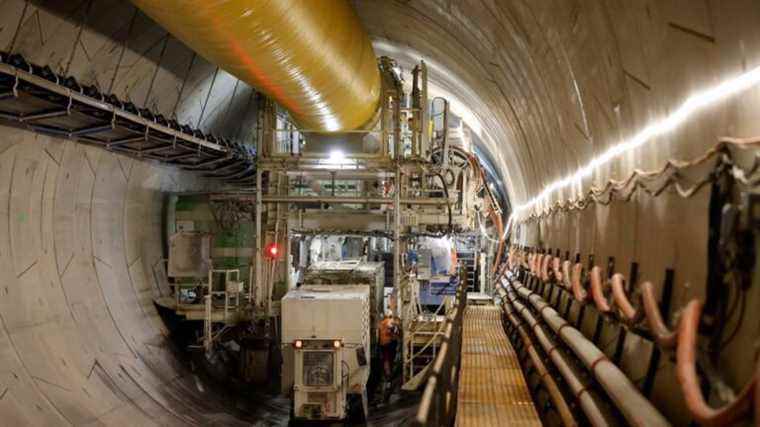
x,y
552,84
82,340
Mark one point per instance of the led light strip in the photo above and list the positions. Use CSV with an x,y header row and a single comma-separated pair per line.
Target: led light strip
x,y
694,103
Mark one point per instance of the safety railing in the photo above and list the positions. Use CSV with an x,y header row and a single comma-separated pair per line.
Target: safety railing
x,y
417,325
439,399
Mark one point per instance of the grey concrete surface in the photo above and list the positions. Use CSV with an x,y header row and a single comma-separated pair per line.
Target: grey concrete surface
x,y
81,343
555,83
552,83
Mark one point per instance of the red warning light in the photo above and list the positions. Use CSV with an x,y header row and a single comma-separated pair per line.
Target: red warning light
x,y
272,250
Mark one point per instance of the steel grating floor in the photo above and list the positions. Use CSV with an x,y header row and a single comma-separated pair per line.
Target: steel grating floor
x,y
492,389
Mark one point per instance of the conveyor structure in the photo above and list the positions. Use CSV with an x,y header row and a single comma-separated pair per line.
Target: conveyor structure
x,y
35,97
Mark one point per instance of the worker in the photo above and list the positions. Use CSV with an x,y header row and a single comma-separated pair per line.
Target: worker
x,y
389,333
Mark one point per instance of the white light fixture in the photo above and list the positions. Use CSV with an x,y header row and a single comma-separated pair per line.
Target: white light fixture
x,y
336,158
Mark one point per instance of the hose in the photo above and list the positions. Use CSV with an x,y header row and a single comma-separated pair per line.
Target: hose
x,y
597,291
628,312
690,385
665,337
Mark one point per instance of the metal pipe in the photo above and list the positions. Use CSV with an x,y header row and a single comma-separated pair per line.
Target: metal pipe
x,y
551,386
592,408
352,200
445,142
312,57
425,112
636,409
259,239
397,244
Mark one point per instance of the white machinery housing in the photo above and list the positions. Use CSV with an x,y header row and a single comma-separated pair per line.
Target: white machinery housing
x,y
326,331
352,272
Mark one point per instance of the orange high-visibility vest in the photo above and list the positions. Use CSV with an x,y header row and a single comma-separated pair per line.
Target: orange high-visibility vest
x,y
387,334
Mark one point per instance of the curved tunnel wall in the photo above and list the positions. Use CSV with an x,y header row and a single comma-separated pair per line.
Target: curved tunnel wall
x,y
556,83
81,342
552,83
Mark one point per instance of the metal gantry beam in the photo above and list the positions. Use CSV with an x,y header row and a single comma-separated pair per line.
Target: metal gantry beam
x,y
45,102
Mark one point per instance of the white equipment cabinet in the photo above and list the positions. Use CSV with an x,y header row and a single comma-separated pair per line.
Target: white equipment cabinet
x,y
352,273
326,330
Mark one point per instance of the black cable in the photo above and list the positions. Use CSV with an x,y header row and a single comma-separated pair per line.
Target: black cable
x,y
671,173
743,304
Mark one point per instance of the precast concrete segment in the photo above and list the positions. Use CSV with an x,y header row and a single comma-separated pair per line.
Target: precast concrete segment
x,y
492,390
80,339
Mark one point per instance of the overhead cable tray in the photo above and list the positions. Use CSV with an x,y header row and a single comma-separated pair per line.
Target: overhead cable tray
x,y
46,102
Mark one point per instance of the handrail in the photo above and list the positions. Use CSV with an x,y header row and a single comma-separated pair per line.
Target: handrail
x,y
433,335
439,398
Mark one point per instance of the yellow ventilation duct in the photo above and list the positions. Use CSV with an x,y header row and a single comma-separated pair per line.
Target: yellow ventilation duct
x,y
311,56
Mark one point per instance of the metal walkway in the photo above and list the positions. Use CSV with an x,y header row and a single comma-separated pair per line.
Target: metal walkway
x,y
492,389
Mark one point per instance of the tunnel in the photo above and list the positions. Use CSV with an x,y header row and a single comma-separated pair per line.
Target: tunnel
x,y
615,136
